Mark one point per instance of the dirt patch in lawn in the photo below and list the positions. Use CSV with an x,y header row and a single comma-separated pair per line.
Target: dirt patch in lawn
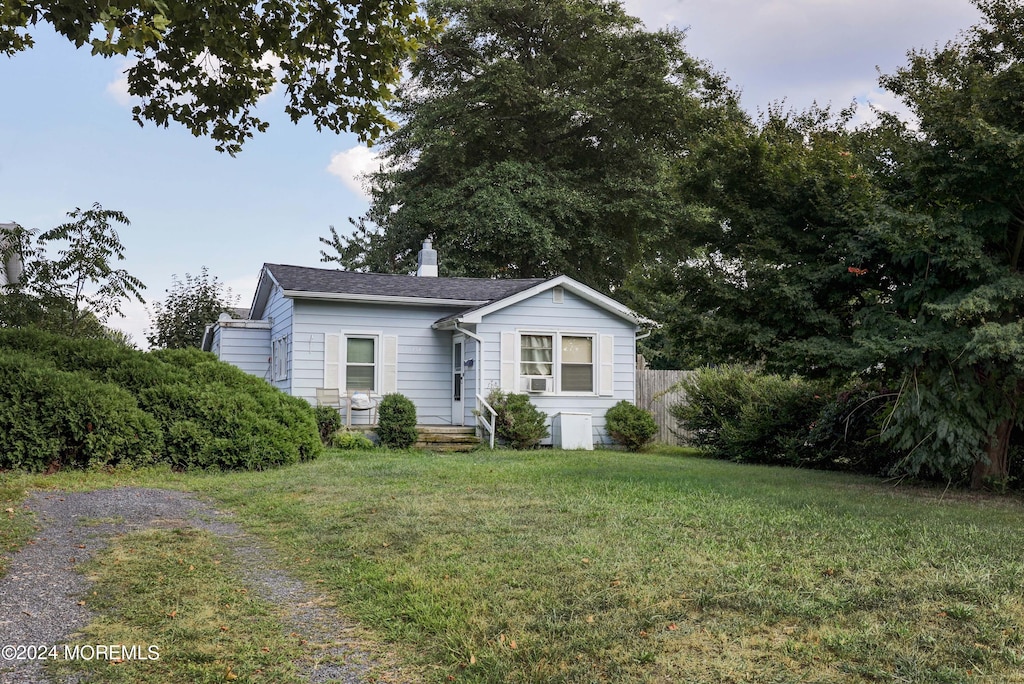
x,y
41,596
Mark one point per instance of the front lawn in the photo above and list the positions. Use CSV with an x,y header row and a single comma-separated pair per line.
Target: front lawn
x,y
555,566
606,566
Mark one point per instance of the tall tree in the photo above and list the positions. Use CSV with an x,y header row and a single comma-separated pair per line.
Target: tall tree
x,y
181,319
957,326
206,64
76,292
894,252
773,269
535,139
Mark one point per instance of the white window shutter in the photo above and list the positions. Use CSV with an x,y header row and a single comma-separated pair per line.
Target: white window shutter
x,y
607,371
389,365
332,362
508,362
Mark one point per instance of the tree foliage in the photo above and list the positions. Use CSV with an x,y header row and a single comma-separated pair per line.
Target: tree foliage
x,y
890,253
535,140
76,291
181,319
205,65
775,267
955,327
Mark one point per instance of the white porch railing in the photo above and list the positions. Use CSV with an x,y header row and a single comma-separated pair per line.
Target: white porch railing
x,y
487,421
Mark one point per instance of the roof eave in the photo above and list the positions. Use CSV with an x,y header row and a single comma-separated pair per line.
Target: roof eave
x,y
579,289
383,299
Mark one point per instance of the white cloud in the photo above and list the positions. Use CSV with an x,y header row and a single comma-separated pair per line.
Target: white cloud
x,y
806,50
352,165
118,88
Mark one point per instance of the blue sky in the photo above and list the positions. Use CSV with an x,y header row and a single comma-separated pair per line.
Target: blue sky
x,y
67,138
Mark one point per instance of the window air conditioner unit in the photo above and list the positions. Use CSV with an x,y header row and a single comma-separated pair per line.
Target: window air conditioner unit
x,y
536,385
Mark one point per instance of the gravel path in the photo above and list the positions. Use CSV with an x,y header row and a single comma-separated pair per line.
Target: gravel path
x,y
39,596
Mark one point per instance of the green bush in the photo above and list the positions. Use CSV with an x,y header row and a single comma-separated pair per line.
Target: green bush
x,y
630,426
396,421
328,421
519,423
348,440
52,419
847,432
749,417
202,413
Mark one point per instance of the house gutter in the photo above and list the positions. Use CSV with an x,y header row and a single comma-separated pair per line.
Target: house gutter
x,y
377,299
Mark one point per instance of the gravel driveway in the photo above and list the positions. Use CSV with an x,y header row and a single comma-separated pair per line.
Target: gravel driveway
x,y
39,596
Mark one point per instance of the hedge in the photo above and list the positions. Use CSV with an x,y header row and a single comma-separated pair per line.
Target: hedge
x,y
182,407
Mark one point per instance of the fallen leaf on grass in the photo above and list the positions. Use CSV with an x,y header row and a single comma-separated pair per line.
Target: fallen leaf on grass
x,y
590,619
172,614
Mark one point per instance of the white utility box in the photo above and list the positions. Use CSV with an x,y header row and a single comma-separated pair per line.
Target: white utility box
x,y
572,430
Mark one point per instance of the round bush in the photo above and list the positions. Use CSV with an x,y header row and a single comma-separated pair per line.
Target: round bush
x,y
630,426
519,423
396,421
52,419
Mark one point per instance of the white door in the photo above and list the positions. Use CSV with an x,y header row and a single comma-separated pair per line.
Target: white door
x,y
458,380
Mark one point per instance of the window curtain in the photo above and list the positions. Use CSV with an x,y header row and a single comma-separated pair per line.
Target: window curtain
x,y
536,355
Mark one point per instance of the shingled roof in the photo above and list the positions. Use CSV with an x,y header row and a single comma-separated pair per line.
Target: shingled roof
x,y
323,280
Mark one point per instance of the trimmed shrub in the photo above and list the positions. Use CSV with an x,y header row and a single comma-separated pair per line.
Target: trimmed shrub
x,y
519,423
630,426
396,421
747,416
328,422
348,440
198,412
52,419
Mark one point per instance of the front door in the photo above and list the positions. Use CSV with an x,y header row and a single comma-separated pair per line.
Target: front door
x,y
458,380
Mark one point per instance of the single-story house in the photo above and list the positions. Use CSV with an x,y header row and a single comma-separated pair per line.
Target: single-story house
x,y
442,342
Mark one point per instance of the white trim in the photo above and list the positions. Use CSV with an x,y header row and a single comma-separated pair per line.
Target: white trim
x,y
378,360
577,288
378,299
556,360
260,287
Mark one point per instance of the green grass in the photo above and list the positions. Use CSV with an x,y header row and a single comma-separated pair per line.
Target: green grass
x,y
173,591
607,566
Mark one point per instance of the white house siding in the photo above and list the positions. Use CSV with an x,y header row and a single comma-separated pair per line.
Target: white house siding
x,y
574,314
424,372
279,311
245,347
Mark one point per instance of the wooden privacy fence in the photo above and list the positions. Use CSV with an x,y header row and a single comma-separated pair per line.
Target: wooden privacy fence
x,y
656,392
